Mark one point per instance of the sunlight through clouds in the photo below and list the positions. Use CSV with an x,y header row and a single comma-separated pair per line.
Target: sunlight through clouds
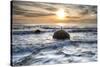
x,y
46,13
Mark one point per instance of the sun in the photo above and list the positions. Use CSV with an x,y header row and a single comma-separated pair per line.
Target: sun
x,y
60,14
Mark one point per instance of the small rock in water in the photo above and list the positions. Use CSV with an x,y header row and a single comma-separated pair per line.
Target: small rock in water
x,y
61,34
37,31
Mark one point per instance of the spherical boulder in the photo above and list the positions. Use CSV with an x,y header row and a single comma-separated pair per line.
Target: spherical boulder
x,y
61,34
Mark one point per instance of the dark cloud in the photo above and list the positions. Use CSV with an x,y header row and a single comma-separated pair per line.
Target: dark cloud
x,y
35,14
88,10
17,10
51,9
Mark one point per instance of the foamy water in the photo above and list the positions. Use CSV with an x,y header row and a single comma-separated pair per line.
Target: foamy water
x,y
37,49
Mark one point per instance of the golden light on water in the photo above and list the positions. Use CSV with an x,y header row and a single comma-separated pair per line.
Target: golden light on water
x,y
60,14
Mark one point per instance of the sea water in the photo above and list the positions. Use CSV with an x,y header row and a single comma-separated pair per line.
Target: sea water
x,y
41,48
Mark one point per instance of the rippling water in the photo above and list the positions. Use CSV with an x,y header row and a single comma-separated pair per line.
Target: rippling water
x,y
36,49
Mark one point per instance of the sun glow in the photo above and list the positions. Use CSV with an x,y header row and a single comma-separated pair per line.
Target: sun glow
x,y
61,24
60,14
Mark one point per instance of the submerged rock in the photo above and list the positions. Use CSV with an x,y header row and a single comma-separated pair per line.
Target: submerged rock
x,y
61,34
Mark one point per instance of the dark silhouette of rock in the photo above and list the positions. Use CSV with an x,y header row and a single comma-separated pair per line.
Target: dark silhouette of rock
x,y
61,34
37,31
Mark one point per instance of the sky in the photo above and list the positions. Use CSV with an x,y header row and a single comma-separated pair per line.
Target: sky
x,y
27,12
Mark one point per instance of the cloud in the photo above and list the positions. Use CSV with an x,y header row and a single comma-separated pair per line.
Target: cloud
x,y
29,9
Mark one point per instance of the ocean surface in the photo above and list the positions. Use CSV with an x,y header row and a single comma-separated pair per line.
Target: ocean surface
x,y
29,48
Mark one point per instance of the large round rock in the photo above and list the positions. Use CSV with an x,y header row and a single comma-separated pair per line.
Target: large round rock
x,y
61,34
